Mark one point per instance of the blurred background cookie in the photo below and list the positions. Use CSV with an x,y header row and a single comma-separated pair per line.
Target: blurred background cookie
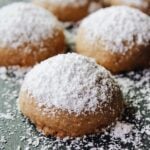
x,y
66,10
95,5
143,5
117,37
28,34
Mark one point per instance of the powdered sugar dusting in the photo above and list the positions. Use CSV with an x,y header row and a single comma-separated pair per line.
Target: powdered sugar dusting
x,y
121,129
64,3
70,82
22,23
119,28
6,116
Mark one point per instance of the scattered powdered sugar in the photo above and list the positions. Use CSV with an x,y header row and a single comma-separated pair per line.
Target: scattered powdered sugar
x,y
2,139
13,73
64,3
6,116
70,82
132,132
137,3
118,27
121,130
22,23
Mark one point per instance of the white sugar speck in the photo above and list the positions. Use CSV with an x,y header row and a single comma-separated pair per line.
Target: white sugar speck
x,y
121,129
6,116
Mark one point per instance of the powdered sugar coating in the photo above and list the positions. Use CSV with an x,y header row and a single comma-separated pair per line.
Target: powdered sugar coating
x,y
64,3
22,23
119,28
70,82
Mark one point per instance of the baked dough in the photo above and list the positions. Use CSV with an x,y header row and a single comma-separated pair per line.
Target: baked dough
x,y
28,34
143,5
117,37
74,97
95,5
66,10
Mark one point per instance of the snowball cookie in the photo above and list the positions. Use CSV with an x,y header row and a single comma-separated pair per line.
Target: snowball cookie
x,y
117,37
28,34
73,97
143,5
66,10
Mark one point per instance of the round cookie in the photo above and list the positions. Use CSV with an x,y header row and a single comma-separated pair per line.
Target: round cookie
x,y
28,34
117,37
75,96
143,5
66,10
